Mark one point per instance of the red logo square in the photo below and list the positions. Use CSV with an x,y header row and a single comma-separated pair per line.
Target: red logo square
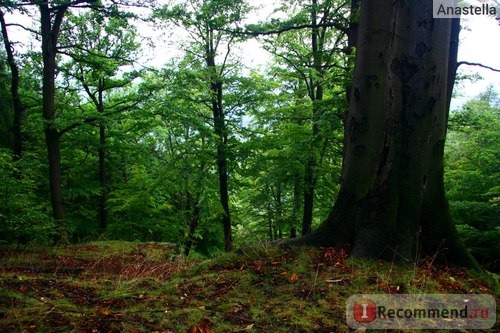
x,y
365,311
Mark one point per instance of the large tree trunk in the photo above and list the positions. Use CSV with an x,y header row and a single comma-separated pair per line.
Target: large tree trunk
x,y
50,27
435,221
392,203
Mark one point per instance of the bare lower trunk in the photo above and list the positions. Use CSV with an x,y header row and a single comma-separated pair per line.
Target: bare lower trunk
x,y
55,185
195,218
315,94
223,182
308,207
103,179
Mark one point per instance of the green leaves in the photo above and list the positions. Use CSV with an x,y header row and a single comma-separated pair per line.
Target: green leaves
x,y
23,215
98,44
155,131
472,174
204,14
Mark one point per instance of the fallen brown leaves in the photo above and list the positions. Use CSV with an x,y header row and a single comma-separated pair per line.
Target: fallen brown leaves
x,y
202,327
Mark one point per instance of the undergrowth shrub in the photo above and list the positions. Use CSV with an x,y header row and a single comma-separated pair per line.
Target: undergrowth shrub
x,y
24,216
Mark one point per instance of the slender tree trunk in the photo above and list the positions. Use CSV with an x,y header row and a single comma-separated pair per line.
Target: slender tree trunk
x,y
221,133
195,219
17,146
50,26
279,212
392,203
310,172
103,177
220,130
270,229
316,95
352,40
295,207
307,214
352,35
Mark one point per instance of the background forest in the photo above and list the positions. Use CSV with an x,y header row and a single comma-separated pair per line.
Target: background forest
x,y
207,151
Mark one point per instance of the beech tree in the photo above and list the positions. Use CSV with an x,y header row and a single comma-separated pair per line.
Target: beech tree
x,y
51,18
316,56
99,47
391,202
208,22
52,15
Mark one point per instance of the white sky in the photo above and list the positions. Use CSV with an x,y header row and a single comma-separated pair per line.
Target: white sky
x,y
480,43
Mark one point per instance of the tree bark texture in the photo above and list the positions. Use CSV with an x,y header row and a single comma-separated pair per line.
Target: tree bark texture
x,y
392,203
50,27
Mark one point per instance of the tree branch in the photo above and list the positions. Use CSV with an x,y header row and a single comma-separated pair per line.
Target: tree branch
x,y
75,125
477,64
75,3
23,27
255,33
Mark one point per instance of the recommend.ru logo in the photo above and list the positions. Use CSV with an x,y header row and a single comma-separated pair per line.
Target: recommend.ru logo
x,y
421,311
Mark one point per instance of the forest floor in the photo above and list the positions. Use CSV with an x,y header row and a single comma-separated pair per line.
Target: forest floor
x,y
116,286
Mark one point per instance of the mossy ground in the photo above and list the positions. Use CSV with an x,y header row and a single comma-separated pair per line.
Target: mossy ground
x,y
147,287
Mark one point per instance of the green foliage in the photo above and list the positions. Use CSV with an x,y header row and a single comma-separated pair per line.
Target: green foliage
x,y
300,123
473,175
154,130
140,209
212,14
23,214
